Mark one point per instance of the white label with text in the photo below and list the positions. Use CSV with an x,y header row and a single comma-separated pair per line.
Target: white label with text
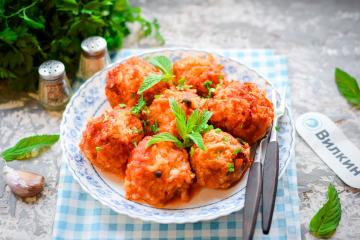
x,y
332,146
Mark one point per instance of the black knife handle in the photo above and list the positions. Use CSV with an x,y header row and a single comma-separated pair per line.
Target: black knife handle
x,y
271,173
252,200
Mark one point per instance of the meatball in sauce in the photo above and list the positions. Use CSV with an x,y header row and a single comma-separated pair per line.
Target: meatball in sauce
x,y
124,80
224,161
158,174
108,139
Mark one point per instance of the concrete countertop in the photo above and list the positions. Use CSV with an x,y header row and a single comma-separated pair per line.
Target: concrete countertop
x,y
316,36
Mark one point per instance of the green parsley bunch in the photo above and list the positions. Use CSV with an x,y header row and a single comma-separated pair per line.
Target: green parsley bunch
x,y
33,31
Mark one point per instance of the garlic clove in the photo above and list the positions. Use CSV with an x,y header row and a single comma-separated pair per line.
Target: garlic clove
x,y
23,183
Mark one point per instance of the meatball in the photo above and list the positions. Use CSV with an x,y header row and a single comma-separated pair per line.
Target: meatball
x,y
124,80
241,109
196,71
158,174
160,114
108,139
224,161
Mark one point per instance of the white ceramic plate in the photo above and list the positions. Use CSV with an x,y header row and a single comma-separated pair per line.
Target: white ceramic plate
x,y
90,101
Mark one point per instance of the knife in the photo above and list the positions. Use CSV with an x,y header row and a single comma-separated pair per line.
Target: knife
x,y
271,168
253,192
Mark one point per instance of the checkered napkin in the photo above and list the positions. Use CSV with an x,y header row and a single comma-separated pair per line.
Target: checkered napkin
x,y
79,216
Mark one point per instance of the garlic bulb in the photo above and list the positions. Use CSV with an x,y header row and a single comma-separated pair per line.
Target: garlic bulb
x,y
23,184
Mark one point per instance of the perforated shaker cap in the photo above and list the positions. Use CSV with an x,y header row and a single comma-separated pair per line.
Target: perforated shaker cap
x,y
94,46
51,70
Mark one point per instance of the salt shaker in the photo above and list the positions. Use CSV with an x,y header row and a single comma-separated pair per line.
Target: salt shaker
x,y
94,57
54,86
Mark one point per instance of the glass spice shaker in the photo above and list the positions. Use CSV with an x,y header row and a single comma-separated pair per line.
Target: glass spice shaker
x,y
94,57
54,86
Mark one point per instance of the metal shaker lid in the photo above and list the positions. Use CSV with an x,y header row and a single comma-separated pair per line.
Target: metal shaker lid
x,y
51,70
94,46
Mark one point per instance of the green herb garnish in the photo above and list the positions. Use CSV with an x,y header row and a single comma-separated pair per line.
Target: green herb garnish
x,y
277,128
154,127
211,90
122,105
98,149
325,221
189,129
165,65
139,106
237,151
29,147
231,168
348,87
217,130
182,85
34,31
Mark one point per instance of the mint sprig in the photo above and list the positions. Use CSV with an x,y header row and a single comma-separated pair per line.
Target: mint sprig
x,y
165,66
326,220
348,87
139,106
29,147
190,129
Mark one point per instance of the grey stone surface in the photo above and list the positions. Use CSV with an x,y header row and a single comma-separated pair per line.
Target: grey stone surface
x,y
316,36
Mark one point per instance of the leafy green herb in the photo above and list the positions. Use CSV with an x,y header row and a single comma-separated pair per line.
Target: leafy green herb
x,y
33,31
237,151
154,127
211,90
29,147
98,148
165,65
190,129
164,137
192,150
182,85
139,106
325,221
348,87
134,143
217,130
122,105
277,128
135,130
226,139
149,81
231,168
157,96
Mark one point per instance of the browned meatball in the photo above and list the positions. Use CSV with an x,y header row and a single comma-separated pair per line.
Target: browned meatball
x,y
241,109
160,113
108,139
196,71
158,174
124,80
224,161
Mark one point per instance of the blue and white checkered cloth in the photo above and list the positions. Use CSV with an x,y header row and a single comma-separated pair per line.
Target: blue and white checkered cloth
x,y
79,216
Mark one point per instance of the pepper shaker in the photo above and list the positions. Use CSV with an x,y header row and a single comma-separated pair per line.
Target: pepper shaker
x,y
54,86
94,57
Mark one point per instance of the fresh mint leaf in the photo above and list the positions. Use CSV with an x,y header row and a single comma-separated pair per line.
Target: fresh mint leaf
x,y
348,87
180,117
325,221
231,168
29,147
139,106
149,81
164,137
192,120
163,63
197,139
202,125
